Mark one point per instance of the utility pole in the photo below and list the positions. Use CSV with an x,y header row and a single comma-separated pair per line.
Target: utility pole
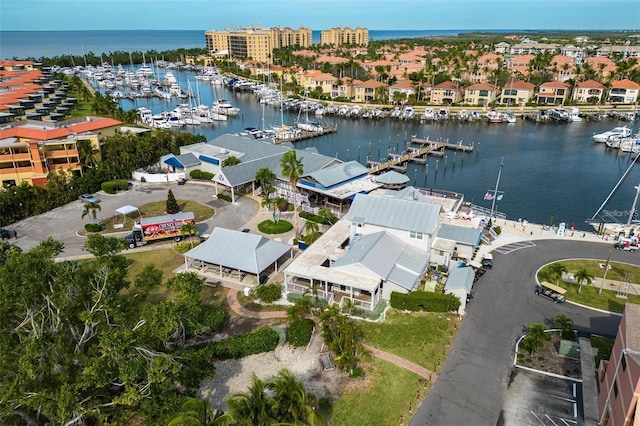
x,y
606,269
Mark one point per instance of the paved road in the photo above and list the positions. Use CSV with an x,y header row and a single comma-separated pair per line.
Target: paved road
x,y
63,223
471,386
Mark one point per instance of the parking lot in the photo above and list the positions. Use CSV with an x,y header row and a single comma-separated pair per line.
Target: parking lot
x,y
536,399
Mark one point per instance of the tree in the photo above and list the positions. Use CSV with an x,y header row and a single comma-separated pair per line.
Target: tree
x,y
230,161
90,209
100,246
292,168
555,271
535,338
327,216
293,404
172,204
311,227
265,178
253,407
190,229
343,336
583,276
196,412
565,324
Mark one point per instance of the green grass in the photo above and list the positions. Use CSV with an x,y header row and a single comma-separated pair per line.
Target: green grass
x,y
271,227
604,346
166,260
418,337
589,296
251,304
382,397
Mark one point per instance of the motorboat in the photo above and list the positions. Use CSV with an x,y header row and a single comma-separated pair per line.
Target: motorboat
x,y
559,114
510,117
494,116
574,115
616,132
429,114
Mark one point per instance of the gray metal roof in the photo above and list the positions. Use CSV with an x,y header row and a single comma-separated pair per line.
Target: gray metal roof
x,y
460,234
395,213
339,173
188,159
460,278
239,250
392,178
387,257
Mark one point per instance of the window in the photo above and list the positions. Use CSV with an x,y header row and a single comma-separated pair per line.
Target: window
x,y
623,361
615,389
415,235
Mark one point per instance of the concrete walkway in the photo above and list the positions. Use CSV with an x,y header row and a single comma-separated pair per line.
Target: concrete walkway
x,y
404,363
234,304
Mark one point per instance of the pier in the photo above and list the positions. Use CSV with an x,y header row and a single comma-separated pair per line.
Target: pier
x,y
418,155
305,134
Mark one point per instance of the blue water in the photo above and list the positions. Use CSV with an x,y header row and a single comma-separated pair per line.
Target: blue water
x,y
549,169
36,44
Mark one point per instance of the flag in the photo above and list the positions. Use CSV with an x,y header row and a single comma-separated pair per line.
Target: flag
x,y
490,195
499,197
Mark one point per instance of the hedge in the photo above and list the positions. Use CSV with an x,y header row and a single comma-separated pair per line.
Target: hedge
x,y
113,186
425,301
271,227
299,332
93,227
255,342
224,197
269,293
199,174
314,218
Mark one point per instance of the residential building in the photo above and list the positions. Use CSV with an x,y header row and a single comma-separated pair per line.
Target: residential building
x,y
380,246
572,51
517,93
589,91
256,43
366,91
454,242
502,48
480,94
446,93
562,68
459,283
520,64
620,376
532,48
552,93
604,66
623,92
341,36
402,86
30,150
626,51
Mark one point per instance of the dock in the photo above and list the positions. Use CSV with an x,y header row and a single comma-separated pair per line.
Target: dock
x,y
418,155
304,134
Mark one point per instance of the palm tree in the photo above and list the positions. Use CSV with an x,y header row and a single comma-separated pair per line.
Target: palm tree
x,y
583,276
293,404
311,227
292,168
196,412
565,324
556,270
535,338
253,407
90,209
189,228
327,216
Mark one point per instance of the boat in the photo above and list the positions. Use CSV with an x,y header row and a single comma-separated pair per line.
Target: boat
x,y
494,116
620,132
559,114
574,115
407,113
510,117
429,114
443,114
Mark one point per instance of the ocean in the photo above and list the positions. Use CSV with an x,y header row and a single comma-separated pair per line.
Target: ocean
x,y
37,44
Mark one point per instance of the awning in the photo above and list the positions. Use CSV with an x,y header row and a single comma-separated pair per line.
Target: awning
x,y
125,210
174,162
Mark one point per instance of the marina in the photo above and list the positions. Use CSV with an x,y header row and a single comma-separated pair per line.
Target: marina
x,y
553,170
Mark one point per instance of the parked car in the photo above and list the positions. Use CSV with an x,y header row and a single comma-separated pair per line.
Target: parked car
x,y
620,245
89,198
182,181
487,261
5,234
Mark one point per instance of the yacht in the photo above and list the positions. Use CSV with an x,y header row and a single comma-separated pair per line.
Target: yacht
x,y
494,116
574,115
616,132
429,114
559,114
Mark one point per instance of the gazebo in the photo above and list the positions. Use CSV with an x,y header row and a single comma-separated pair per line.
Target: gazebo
x,y
125,210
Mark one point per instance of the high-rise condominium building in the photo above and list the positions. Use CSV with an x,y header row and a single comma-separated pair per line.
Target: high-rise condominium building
x,y
340,36
256,43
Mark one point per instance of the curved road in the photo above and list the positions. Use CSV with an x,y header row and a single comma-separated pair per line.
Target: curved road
x,y
471,386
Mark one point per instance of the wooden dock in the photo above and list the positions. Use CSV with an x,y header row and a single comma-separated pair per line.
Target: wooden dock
x,y
398,161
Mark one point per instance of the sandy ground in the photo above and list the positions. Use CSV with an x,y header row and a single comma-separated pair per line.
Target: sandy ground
x,y
234,375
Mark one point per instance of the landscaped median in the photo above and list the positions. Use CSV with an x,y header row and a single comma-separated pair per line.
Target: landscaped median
x,y
586,285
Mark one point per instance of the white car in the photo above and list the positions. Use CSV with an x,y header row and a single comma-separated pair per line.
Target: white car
x,y
89,198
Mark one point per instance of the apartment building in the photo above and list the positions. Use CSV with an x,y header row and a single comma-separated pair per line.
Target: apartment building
x,y
620,376
256,43
340,36
30,150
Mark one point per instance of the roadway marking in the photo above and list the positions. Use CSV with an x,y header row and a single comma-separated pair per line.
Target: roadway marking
x,y
510,248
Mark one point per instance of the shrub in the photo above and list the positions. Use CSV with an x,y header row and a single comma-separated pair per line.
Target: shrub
x,y
254,342
113,186
299,332
199,174
93,227
269,293
425,301
224,197
315,218
213,318
356,372
271,227
497,230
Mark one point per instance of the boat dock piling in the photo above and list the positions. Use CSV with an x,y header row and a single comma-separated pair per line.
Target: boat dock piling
x,y
418,155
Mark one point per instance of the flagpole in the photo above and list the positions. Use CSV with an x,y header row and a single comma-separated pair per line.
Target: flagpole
x,y
495,192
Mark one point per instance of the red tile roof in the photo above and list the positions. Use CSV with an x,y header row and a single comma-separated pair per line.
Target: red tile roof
x,y
590,84
625,84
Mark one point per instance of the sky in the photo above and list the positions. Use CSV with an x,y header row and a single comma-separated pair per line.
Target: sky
x,y
65,15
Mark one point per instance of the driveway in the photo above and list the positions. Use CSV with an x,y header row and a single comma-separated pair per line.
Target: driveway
x,y
64,222
471,387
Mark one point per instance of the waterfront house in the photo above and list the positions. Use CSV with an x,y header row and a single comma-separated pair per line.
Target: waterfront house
x,y
446,93
589,91
619,377
402,86
381,245
366,91
552,93
313,80
517,93
480,94
623,92
454,242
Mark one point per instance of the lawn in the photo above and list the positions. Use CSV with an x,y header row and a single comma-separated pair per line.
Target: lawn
x,y
384,396
200,211
419,337
588,295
